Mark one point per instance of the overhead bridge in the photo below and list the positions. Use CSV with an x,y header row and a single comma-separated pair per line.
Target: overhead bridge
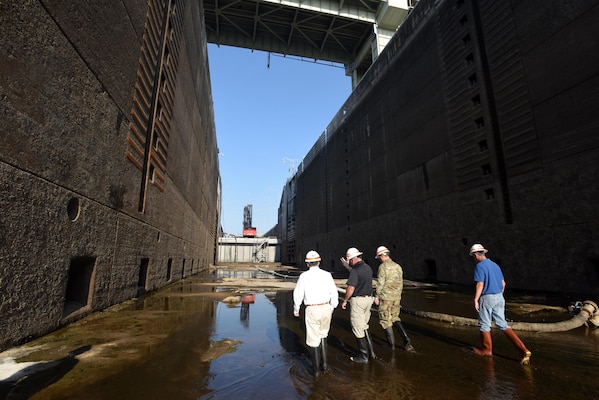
x,y
348,32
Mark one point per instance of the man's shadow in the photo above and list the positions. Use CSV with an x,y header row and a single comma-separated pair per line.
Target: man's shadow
x,y
25,382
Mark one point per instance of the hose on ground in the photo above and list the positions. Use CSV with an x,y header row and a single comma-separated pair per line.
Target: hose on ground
x,y
589,312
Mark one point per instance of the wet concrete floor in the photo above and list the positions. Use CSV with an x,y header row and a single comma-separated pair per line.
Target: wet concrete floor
x,y
184,342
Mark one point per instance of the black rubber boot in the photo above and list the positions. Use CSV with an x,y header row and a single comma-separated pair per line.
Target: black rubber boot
x,y
390,337
315,356
361,358
323,349
369,341
400,329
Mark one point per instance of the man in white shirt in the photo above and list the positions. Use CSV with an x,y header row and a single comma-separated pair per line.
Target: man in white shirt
x,y
316,289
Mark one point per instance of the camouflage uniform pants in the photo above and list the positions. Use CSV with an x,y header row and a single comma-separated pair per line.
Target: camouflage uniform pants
x,y
388,312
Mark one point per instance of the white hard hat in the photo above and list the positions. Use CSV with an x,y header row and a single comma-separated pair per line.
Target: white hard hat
x,y
352,252
312,256
477,248
380,251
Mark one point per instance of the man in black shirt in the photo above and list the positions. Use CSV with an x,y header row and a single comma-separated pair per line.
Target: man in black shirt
x,y
359,295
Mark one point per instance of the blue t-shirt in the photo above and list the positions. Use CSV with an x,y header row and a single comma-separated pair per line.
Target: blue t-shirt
x,y
490,274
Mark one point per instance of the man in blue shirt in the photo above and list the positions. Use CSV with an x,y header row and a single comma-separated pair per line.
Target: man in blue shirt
x,y
490,304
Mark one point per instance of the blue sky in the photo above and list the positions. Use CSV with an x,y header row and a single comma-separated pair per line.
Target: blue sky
x,y
265,114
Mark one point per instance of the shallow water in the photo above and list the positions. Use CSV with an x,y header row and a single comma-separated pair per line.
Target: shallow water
x,y
183,342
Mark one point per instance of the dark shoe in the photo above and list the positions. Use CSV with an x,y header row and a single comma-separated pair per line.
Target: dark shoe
x,y
525,354
487,345
390,337
406,340
315,356
323,349
409,348
362,357
369,341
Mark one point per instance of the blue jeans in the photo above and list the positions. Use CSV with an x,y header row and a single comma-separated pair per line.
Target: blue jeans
x,y
491,308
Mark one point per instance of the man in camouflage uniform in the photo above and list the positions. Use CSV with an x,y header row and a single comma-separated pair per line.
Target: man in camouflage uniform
x,y
388,296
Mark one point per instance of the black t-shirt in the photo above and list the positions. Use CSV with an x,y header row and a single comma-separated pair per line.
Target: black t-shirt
x,y
360,277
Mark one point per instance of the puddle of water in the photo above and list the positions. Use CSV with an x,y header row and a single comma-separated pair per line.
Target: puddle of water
x,y
254,274
184,343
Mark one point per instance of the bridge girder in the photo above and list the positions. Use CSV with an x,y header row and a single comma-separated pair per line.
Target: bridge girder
x,y
337,31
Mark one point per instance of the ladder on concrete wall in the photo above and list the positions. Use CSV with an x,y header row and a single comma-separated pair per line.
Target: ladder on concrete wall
x,y
259,252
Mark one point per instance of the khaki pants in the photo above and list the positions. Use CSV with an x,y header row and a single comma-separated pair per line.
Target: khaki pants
x,y
318,323
360,314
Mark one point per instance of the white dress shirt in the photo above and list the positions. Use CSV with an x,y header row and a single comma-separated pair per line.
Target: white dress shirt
x,y
315,286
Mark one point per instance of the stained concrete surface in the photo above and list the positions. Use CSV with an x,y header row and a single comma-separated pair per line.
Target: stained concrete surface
x,y
184,342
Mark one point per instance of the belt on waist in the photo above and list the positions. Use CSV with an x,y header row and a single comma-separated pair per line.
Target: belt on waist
x,y
319,304
364,295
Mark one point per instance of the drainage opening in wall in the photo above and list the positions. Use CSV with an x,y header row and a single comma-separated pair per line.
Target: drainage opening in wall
x,y
73,209
431,270
169,270
78,293
143,276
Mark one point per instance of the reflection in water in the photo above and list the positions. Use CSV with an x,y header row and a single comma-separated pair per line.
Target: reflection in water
x,y
491,389
244,314
184,343
443,367
259,368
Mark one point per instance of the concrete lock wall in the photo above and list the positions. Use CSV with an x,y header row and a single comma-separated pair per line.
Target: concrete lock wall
x,y
478,123
96,210
249,250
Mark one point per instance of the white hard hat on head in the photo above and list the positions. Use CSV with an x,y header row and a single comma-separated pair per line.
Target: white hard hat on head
x,y
312,256
381,250
477,248
352,252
